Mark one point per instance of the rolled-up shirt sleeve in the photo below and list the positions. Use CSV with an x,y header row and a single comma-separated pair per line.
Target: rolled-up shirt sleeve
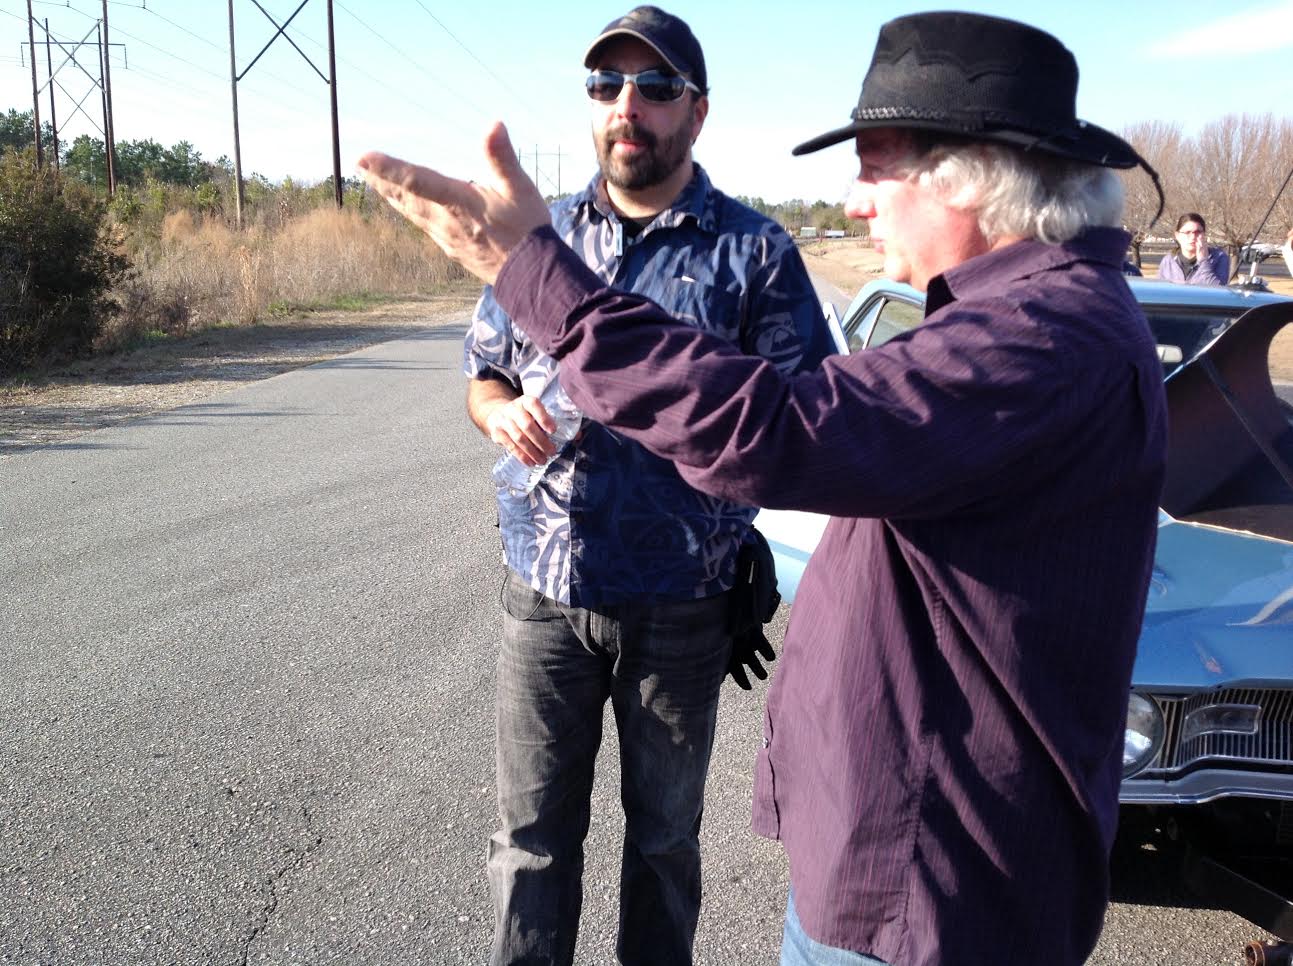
x,y
489,350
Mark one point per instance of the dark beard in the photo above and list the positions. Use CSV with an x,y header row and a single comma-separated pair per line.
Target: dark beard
x,y
651,167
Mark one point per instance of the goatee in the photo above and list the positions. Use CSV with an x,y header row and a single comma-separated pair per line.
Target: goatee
x,y
653,164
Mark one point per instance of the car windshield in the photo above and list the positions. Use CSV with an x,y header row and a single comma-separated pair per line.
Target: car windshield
x,y
1182,331
1185,330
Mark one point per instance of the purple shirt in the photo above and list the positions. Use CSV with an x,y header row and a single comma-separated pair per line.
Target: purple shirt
x,y
1213,270
943,737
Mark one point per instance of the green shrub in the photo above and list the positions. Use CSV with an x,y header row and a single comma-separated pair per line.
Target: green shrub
x,y
126,206
206,198
57,266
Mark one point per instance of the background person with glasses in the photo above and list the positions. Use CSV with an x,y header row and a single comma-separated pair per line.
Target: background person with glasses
x,y
1192,261
620,574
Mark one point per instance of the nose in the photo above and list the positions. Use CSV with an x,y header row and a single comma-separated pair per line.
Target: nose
x,y
860,203
629,103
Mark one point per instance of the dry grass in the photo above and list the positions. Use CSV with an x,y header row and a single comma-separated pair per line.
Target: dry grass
x,y
201,273
847,263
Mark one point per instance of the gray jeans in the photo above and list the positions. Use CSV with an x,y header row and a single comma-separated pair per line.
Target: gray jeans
x,y
661,666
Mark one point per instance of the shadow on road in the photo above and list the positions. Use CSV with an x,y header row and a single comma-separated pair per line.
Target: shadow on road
x,y
1143,874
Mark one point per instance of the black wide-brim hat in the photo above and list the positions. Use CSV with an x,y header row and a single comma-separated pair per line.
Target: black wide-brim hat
x,y
983,78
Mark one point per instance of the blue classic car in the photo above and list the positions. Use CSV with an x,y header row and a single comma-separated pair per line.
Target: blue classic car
x,y
1210,717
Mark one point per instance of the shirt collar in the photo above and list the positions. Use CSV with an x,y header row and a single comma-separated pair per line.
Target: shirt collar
x,y
696,202
991,270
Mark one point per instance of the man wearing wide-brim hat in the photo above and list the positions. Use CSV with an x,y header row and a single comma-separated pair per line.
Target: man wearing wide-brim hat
x,y
941,752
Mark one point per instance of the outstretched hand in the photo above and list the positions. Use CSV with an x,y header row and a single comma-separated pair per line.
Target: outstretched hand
x,y
475,225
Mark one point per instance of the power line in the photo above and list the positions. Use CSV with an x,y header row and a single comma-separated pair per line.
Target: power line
x,y
167,80
140,40
295,30
412,61
423,105
387,88
204,40
162,50
472,54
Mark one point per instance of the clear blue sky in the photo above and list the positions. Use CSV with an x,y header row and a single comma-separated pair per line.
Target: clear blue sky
x,y
423,78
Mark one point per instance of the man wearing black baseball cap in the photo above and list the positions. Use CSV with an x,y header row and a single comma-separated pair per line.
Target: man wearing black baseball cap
x,y
942,746
621,580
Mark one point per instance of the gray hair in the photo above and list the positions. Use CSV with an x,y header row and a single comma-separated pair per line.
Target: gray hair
x,y
1014,193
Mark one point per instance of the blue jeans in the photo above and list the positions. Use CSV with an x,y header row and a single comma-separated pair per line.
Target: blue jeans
x,y
798,949
661,667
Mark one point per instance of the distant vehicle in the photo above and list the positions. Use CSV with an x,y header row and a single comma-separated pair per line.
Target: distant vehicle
x,y
834,233
807,231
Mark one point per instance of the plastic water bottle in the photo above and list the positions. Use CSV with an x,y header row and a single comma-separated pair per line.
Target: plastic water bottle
x,y
518,479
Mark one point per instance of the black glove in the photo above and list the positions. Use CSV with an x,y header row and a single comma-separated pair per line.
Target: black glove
x,y
754,600
746,650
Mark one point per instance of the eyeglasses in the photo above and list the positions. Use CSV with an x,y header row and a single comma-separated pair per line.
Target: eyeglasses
x,y
884,165
873,172
654,85
1191,231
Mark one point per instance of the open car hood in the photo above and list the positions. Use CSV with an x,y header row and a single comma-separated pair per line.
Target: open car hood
x,y
1220,607
1230,437
1219,612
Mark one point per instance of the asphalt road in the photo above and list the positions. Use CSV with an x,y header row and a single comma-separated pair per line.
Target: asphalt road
x,y
245,714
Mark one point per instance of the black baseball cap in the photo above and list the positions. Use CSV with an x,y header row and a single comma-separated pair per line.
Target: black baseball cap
x,y
664,33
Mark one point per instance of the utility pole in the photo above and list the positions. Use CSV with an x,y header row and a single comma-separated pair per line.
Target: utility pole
x,y
107,135
547,154
35,96
70,51
237,151
330,80
53,118
332,85
110,128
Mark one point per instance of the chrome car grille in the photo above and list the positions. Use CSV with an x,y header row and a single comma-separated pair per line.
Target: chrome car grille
x,y
1270,744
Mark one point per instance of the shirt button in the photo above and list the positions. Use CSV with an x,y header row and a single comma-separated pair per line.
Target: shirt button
x,y
766,742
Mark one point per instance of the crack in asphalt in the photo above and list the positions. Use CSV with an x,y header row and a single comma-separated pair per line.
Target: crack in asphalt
x,y
271,884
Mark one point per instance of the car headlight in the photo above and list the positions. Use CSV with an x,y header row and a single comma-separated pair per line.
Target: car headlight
x,y
1144,735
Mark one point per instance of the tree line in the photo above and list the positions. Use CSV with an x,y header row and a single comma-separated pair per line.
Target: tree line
x,y
798,213
1231,172
137,162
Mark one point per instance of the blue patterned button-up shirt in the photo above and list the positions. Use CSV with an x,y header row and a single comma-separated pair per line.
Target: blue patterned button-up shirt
x,y
609,522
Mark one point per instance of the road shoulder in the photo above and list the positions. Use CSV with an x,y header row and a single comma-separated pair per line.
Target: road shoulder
x,y
107,390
